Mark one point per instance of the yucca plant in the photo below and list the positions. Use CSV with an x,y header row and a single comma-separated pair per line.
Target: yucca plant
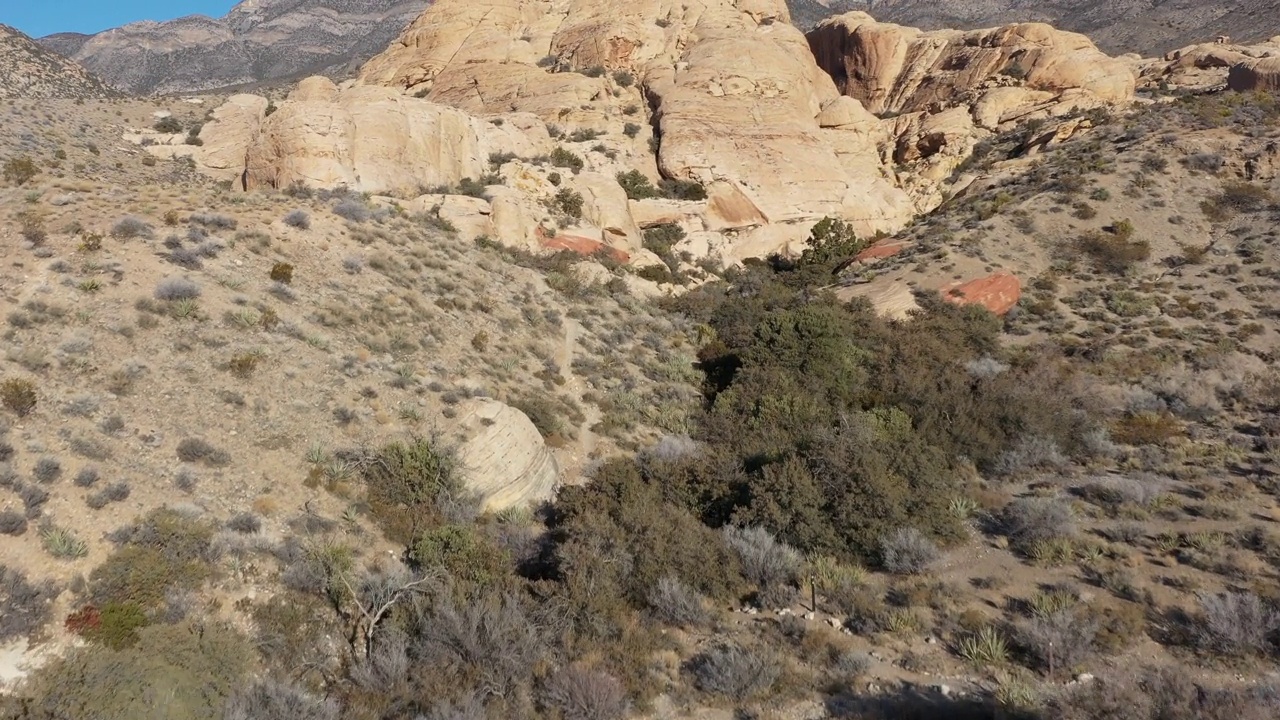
x,y
62,543
985,647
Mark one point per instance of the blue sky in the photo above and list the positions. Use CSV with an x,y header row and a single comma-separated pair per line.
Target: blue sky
x,y
44,17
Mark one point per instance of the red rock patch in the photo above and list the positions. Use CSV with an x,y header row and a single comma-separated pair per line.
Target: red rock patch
x,y
881,250
997,293
582,245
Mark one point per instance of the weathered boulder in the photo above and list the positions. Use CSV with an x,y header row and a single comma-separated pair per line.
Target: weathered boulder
x,y
503,456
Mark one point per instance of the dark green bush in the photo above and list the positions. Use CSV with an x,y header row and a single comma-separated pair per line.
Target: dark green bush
x,y
163,551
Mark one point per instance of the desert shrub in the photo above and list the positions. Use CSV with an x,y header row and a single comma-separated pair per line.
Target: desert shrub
x,y
637,185
165,550
12,522
675,603
185,257
116,625
31,228
1113,253
1207,162
620,534
18,395
115,492
1237,197
19,170
467,556
245,522
131,227
33,500
566,159
765,561
487,641
1235,624
659,239
299,219
582,694
1064,638
1166,693
282,272
87,477
47,470
623,78
907,551
172,289
569,202
26,604
270,699
1146,428
631,129
169,125
736,672
406,481
677,189
1027,521
831,240
352,209
192,667
200,450
1031,453
214,220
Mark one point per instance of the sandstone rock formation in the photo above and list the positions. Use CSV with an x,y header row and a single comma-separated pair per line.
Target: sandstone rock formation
x,y
29,72
503,456
258,40
555,98
897,69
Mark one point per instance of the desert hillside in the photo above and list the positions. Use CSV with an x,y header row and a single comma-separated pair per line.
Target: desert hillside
x,y
30,72
258,41
582,362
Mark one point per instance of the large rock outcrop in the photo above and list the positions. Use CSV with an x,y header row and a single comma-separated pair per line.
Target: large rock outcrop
x,y
891,68
725,95
1255,75
377,140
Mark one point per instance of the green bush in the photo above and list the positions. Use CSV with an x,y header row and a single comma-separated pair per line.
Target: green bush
x,y
569,202
636,185
118,625
660,238
184,671
163,551
403,482
566,159
469,558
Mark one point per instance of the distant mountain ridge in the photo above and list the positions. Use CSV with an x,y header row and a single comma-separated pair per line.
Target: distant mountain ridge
x,y
1147,27
29,71
256,41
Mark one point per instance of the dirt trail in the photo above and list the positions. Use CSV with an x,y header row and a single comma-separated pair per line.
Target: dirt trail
x,y
587,441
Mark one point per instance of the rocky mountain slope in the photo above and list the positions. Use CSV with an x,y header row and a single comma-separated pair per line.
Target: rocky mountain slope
x,y
29,71
1122,26
257,41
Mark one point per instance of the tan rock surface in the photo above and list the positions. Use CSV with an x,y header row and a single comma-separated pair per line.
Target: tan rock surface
x,y
893,68
503,456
